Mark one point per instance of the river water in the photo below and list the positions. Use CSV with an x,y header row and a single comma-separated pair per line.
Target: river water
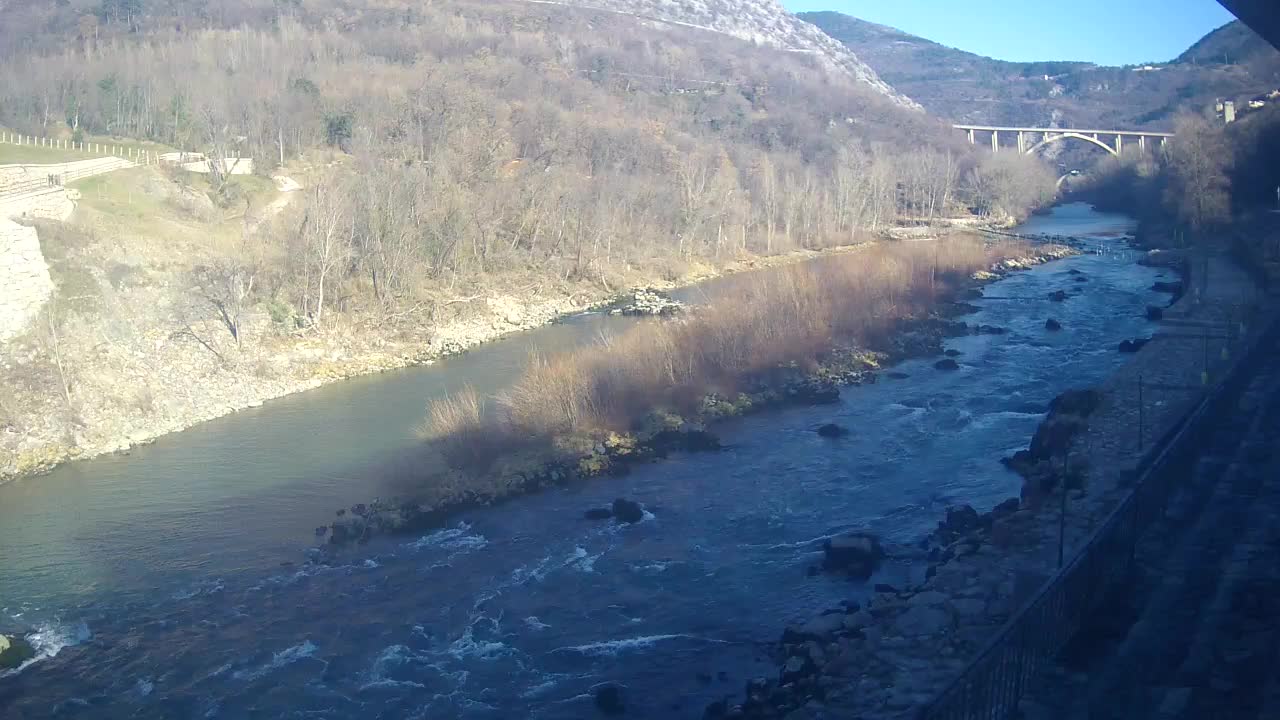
x,y
175,581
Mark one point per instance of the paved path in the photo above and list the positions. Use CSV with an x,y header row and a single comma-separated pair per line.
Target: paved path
x,y
1196,636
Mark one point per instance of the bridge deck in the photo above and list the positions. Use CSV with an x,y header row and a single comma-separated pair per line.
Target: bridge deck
x,y
1129,133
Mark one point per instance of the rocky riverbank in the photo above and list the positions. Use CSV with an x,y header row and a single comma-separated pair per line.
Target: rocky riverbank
x,y
887,657
577,458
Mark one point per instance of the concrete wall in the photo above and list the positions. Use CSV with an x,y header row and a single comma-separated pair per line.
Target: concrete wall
x,y
25,285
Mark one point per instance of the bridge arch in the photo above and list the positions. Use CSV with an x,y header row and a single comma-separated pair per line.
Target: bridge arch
x,y
1057,138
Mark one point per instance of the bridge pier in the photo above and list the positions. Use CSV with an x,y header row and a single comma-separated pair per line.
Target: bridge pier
x,y
1031,139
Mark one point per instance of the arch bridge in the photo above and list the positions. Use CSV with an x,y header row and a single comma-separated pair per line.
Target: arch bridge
x,y
1031,140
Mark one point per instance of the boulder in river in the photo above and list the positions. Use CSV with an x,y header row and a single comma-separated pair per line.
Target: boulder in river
x,y
609,699
1076,402
952,353
819,628
1074,271
14,651
1052,325
947,364
960,520
832,430
1133,346
1081,278
598,514
1020,462
647,301
1054,436
1058,296
627,511
1006,508
989,330
859,554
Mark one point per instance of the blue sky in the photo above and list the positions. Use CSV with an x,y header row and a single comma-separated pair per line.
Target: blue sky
x,y
1108,32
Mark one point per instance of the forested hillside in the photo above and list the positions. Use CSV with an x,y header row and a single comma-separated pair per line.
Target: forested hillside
x,y
460,161
1229,63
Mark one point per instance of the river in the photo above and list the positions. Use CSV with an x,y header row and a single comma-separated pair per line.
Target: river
x,y
175,581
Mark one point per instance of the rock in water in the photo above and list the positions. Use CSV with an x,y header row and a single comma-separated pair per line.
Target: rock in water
x,y
952,353
14,651
819,628
1154,313
1081,278
960,520
1054,436
947,364
858,554
1076,402
1052,324
1133,346
598,514
627,511
1058,296
832,430
609,700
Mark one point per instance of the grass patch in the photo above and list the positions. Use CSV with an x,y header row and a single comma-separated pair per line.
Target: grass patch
x,y
11,154
35,155
145,206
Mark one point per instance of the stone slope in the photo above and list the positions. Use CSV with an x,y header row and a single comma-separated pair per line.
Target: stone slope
x,y
764,22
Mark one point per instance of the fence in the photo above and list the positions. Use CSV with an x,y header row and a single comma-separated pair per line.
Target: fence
x,y
991,685
68,172
126,152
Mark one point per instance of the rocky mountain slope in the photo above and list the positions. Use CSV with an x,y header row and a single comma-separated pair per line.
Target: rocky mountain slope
x,y
764,22
1230,63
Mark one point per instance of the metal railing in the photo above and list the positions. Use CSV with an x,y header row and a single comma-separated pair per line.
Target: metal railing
x,y
990,687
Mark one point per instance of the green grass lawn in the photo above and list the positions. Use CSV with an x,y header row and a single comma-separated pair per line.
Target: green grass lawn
x,y
34,155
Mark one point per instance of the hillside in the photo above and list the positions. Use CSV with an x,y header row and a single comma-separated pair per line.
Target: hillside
x,y
1231,62
764,22
468,168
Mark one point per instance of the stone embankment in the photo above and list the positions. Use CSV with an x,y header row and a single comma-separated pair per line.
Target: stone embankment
x,y
888,656
33,191
25,284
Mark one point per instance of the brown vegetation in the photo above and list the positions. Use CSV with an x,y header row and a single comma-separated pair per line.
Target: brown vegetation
x,y
788,317
1202,177
496,143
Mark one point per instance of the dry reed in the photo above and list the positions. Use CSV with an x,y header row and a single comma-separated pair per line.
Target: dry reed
x,y
783,317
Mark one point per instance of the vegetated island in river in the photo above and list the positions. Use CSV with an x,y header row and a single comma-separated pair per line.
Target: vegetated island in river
x,y
786,336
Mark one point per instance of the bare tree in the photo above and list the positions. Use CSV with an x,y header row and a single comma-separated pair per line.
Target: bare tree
x,y
326,242
226,285
1198,158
